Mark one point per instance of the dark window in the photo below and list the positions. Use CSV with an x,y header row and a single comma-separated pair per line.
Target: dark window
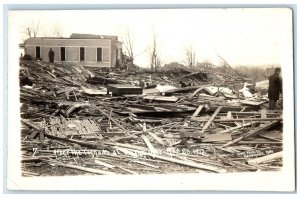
x,y
82,54
62,53
38,52
99,54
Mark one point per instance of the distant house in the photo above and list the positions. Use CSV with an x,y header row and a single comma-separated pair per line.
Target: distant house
x,y
86,49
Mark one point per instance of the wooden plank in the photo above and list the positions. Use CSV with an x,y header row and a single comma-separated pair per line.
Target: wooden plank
x,y
97,161
158,139
127,170
30,173
263,113
110,118
187,163
266,158
195,92
229,115
237,127
30,124
194,135
211,119
86,169
184,89
149,145
139,148
197,111
217,137
238,119
41,136
145,164
33,134
259,142
272,135
161,98
253,132
253,103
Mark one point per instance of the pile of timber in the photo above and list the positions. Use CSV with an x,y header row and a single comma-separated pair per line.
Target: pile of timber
x,y
72,127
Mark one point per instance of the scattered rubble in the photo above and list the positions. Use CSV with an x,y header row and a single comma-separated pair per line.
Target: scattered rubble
x,y
78,121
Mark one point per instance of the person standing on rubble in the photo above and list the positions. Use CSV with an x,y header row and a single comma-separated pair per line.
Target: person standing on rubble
x,y
51,55
275,88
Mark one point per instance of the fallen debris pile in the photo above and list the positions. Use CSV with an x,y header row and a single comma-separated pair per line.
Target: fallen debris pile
x,y
77,121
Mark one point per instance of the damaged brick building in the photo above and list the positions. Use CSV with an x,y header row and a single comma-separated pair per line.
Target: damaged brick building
x,y
87,49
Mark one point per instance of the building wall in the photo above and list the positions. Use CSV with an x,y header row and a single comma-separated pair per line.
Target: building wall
x,y
72,54
72,50
91,54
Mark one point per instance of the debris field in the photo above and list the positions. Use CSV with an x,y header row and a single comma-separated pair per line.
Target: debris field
x,y
90,121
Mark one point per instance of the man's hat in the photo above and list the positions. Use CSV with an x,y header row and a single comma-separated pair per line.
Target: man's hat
x,y
277,69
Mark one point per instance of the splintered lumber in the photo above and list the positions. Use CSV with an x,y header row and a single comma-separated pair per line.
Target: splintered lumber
x,y
264,113
272,135
33,134
31,159
139,148
237,127
266,158
97,161
145,164
30,124
259,142
187,163
82,143
194,135
158,139
90,170
183,90
211,119
129,171
254,103
161,98
149,145
195,92
197,111
239,119
30,173
252,132
109,117
217,137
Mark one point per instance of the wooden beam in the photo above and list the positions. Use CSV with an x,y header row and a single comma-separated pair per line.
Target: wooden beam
x,y
197,111
263,113
238,119
211,119
31,125
149,145
158,139
253,132
110,118
266,158
237,127
195,93
97,161
187,163
90,170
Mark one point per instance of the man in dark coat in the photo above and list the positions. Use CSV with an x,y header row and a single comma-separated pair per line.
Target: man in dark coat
x,y
51,56
275,88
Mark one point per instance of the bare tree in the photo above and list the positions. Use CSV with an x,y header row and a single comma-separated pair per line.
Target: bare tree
x,y
57,31
128,44
153,54
190,56
31,31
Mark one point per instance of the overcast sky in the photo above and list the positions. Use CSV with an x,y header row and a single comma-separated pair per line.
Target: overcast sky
x,y
241,36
